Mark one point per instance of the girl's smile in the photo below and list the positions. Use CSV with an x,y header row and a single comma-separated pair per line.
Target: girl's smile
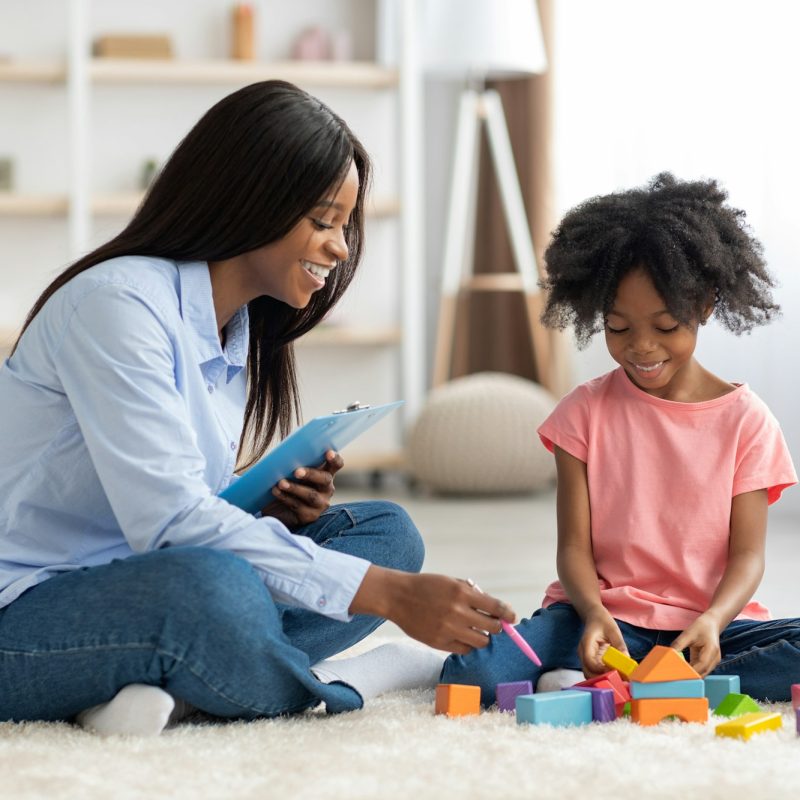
x,y
656,352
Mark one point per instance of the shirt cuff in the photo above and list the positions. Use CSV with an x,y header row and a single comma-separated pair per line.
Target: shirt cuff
x,y
331,583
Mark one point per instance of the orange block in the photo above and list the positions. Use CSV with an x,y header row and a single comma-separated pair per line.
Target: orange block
x,y
652,710
664,664
458,700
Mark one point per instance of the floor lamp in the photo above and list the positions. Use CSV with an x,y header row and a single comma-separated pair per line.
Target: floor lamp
x,y
478,40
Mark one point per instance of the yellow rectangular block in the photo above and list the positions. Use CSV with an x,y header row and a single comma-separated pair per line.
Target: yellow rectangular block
x,y
617,660
749,724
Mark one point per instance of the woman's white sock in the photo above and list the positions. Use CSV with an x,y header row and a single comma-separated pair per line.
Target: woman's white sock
x,y
390,667
136,710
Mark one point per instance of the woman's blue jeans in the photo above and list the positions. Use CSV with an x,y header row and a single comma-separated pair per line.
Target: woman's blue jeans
x,y
195,621
765,655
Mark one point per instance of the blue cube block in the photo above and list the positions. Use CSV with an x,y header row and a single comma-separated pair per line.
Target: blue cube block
x,y
718,687
555,708
507,693
689,688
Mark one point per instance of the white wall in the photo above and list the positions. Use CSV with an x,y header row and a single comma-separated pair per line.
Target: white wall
x,y
702,88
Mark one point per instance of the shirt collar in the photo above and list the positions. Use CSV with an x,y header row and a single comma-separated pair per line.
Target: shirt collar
x,y
197,311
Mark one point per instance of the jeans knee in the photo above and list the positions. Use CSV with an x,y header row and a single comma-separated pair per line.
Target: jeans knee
x,y
407,539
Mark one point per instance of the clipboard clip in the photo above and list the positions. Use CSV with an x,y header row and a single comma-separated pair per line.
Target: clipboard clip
x,y
356,406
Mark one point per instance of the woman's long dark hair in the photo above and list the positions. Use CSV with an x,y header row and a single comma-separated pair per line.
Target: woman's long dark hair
x,y
243,177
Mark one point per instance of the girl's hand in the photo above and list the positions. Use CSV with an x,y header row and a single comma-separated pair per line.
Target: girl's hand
x,y
599,631
702,639
300,501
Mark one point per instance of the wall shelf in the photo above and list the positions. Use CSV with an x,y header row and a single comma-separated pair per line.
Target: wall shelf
x,y
32,71
335,74
125,203
346,336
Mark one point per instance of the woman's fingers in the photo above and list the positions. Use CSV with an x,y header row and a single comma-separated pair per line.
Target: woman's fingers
x,y
333,462
491,605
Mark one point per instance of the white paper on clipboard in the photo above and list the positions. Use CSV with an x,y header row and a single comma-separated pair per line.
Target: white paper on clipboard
x,y
305,447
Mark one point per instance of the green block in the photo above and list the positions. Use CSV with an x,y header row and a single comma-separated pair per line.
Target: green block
x,y
734,705
626,709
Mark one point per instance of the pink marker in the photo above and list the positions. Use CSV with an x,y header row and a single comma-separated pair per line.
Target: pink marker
x,y
512,633
520,642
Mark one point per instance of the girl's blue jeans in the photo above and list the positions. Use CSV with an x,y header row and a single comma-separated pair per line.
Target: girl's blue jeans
x,y
197,622
765,655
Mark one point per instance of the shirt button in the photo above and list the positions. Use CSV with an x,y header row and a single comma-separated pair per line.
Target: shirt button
x,y
322,602
233,445
210,389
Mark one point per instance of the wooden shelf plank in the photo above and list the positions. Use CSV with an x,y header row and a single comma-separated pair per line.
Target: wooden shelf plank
x,y
125,203
495,282
329,74
344,74
368,461
7,337
32,205
13,71
345,336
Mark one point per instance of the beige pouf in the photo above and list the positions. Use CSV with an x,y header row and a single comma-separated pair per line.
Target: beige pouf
x,y
477,434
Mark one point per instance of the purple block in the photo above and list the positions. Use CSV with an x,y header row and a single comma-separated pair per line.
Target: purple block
x,y
602,703
507,694
797,713
795,696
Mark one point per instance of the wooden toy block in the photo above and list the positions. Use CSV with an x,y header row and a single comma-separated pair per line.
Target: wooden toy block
x,y
795,696
652,710
564,708
617,660
613,678
603,708
734,705
746,726
664,664
507,694
718,687
458,700
641,691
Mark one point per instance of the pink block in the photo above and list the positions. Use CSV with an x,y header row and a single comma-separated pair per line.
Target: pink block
x,y
795,696
507,694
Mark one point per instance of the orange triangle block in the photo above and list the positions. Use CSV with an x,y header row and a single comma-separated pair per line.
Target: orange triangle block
x,y
663,664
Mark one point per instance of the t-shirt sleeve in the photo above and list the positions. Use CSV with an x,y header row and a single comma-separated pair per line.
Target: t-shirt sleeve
x,y
568,425
763,460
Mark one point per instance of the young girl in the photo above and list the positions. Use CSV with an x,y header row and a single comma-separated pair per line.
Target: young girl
x,y
145,374
665,471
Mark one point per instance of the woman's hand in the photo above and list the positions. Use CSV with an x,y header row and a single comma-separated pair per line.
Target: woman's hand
x,y
300,501
702,639
445,613
600,630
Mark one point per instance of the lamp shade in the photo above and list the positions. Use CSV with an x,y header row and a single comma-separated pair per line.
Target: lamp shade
x,y
484,38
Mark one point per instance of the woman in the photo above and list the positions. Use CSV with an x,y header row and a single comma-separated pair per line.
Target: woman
x,y
145,373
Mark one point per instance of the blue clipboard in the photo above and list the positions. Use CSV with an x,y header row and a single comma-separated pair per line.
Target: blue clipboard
x,y
305,447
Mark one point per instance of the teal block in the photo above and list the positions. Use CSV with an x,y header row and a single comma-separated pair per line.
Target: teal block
x,y
690,688
718,687
564,708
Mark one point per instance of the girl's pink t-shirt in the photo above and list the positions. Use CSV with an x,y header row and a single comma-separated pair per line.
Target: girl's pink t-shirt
x,y
661,479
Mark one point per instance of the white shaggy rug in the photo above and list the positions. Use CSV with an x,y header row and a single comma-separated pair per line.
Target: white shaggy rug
x,y
397,748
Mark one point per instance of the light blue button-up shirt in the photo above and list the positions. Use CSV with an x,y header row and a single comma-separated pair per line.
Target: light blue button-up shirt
x,y
120,419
